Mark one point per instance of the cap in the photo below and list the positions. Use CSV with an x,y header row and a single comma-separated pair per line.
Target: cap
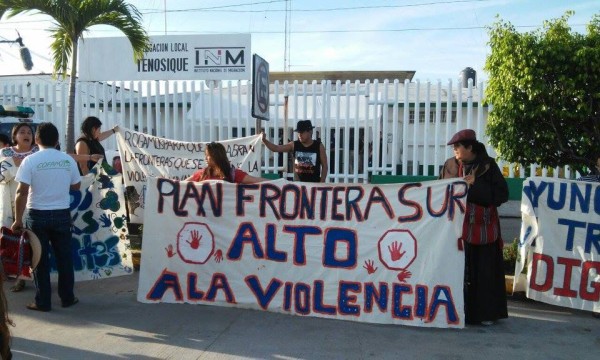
x,y
466,134
304,125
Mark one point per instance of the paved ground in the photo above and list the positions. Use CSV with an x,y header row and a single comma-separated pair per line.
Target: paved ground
x,y
109,323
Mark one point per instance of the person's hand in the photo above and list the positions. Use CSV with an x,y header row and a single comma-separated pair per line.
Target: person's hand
x,y
470,179
115,129
96,157
17,226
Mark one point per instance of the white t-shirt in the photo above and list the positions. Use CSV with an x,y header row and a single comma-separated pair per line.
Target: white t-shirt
x,y
49,174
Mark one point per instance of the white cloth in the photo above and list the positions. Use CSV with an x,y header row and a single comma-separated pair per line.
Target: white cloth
x,y
49,173
8,188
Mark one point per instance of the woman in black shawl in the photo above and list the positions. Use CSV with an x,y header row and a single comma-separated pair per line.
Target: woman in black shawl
x,y
484,289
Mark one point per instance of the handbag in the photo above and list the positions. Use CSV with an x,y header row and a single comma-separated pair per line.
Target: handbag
x,y
481,225
15,254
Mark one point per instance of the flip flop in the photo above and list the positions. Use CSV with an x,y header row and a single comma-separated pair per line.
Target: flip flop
x,y
19,286
33,306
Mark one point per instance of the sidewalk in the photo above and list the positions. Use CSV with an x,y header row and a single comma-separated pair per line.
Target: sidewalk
x,y
109,323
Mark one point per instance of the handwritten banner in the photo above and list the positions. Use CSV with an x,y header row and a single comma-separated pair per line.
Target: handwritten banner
x,y
380,254
560,242
144,156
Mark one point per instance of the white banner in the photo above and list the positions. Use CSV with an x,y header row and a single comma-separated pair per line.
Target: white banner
x,y
560,241
100,237
169,57
144,156
380,254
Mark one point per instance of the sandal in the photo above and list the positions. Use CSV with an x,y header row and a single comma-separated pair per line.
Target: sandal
x,y
19,286
35,307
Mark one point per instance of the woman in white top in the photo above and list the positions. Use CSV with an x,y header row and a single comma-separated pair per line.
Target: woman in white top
x,y
10,160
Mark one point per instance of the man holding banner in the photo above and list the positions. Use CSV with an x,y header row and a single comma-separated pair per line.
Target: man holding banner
x,y
310,158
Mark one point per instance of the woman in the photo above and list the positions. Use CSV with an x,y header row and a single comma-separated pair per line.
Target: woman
x,y
89,143
11,158
485,294
23,137
219,168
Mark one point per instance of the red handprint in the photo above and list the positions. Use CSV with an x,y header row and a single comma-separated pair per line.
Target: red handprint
x,y
219,256
170,251
196,237
369,266
395,251
404,275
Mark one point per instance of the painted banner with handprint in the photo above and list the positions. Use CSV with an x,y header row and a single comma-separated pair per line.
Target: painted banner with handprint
x,y
100,237
560,242
360,252
144,156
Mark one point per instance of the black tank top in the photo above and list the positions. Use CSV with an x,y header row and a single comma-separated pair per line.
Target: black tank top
x,y
307,161
95,148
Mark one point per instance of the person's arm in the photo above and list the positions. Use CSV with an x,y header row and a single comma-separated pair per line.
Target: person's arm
x,y
324,163
106,134
20,203
81,148
86,158
289,147
75,186
249,179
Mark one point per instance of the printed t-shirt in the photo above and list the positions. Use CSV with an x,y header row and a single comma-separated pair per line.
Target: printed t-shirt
x,y
49,173
307,161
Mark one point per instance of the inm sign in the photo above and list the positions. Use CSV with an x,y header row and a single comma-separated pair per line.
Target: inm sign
x,y
213,57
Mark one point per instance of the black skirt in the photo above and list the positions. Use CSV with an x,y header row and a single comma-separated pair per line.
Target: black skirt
x,y
484,289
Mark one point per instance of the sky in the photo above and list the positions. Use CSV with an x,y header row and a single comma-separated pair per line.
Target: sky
x,y
436,39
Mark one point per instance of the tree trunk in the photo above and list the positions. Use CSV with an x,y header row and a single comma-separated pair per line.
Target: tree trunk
x,y
70,134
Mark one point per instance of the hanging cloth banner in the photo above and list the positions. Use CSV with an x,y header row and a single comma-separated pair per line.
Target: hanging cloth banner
x,y
560,242
144,156
371,253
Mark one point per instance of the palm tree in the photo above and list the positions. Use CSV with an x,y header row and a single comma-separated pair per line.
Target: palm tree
x,y
71,19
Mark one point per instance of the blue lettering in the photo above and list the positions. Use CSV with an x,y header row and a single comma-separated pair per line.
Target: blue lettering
x,y
332,237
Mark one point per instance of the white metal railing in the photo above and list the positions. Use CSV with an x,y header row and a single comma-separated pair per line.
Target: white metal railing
x,y
388,127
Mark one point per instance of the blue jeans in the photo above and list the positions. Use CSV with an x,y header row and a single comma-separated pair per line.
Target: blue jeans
x,y
52,227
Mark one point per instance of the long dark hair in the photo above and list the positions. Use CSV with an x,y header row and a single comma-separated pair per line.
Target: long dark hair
x,y
4,322
15,130
219,166
88,125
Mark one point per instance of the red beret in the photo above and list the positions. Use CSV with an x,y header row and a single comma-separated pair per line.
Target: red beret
x,y
466,134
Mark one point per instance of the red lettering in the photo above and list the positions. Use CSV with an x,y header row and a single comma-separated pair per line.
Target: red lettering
x,y
585,278
547,283
566,290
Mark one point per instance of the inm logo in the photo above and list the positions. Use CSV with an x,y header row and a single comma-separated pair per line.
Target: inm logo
x,y
232,57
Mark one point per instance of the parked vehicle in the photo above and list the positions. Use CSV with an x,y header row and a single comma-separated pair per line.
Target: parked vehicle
x,y
11,115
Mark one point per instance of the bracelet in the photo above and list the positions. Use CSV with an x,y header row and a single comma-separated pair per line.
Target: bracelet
x,y
113,130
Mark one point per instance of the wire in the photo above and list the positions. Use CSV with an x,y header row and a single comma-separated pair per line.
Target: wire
x,y
351,31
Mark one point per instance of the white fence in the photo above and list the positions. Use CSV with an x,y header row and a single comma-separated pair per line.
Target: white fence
x,y
367,128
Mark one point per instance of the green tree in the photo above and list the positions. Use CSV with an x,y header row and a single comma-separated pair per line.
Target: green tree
x,y
544,91
71,19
